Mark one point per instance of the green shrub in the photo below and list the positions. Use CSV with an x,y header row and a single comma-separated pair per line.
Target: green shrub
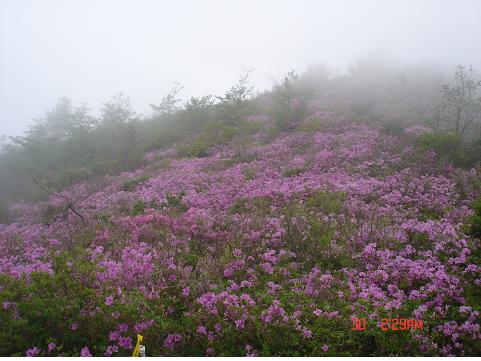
x,y
289,102
393,128
312,124
50,213
131,184
243,156
174,203
309,235
447,145
327,202
239,206
475,221
4,212
292,172
138,208
249,173
197,149
219,132
255,205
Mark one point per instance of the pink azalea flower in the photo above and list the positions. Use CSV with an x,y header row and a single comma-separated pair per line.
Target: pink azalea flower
x,y
85,352
32,352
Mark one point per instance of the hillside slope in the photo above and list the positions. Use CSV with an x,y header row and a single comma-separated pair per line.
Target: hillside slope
x,y
268,248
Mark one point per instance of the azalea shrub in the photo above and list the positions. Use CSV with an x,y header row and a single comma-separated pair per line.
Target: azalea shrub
x,y
268,243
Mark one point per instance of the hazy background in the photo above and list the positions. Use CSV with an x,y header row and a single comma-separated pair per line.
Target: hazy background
x,y
88,50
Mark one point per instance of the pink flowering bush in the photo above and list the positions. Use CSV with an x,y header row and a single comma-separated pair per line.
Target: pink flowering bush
x,y
269,247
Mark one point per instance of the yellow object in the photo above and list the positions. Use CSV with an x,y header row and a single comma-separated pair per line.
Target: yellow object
x,y
137,346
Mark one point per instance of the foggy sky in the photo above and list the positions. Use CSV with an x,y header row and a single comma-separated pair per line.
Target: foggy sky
x,y
89,50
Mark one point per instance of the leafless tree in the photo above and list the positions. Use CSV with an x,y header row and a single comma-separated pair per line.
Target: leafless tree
x,y
460,107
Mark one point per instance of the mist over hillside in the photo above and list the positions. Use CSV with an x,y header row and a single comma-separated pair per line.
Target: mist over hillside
x,y
90,50
317,212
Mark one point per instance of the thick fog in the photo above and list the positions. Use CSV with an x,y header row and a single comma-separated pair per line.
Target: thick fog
x,y
90,50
